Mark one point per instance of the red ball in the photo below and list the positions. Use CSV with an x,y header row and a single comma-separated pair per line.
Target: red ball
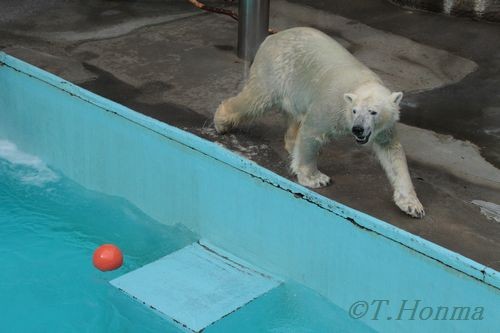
x,y
107,257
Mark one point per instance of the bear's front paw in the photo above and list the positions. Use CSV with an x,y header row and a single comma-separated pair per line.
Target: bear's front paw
x,y
410,205
314,180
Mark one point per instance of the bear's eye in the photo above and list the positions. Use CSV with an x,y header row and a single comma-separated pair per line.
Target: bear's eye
x,y
354,111
373,113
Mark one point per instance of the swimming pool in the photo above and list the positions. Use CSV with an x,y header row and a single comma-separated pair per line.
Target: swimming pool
x,y
336,255
50,227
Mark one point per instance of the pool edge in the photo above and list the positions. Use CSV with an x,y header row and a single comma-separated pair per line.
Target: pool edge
x,y
361,220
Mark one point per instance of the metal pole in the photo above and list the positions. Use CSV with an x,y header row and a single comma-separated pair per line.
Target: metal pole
x,y
253,26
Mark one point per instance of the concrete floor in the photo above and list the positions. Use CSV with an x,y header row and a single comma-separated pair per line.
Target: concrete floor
x,y
174,63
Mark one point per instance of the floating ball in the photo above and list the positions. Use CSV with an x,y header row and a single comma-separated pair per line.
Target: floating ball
x,y
107,257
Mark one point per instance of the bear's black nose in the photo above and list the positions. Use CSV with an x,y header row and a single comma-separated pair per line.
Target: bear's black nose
x,y
358,130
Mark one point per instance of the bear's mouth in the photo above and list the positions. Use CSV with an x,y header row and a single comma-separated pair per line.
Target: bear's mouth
x,y
362,140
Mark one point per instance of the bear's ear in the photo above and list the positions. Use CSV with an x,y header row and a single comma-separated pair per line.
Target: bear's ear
x,y
350,98
396,97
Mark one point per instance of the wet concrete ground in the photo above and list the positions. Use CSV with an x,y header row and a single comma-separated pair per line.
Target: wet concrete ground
x,y
174,63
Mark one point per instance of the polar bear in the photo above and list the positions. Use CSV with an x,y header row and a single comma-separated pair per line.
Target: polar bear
x,y
325,93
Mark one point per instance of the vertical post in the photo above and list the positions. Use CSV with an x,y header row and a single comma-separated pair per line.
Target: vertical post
x,y
253,26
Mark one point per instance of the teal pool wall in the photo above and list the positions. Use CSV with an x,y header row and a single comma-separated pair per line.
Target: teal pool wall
x,y
242,208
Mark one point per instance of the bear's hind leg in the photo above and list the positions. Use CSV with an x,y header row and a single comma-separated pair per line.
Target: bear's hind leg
x,y
225,118
248,104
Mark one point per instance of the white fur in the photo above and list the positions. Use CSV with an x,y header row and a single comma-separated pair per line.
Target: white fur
x,y
325,92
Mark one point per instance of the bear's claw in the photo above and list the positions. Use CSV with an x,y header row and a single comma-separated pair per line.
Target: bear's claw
x,y
411,206
316,180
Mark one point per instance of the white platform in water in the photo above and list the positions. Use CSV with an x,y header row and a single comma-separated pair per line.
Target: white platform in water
x,y
195,286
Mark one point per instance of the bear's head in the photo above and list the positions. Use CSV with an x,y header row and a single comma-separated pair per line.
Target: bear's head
x,y
371,109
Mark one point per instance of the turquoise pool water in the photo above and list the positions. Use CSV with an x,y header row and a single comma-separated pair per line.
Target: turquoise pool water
x,y
49,228
290,308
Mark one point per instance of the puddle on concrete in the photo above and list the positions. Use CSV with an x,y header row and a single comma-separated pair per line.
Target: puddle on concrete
x,y
489,209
